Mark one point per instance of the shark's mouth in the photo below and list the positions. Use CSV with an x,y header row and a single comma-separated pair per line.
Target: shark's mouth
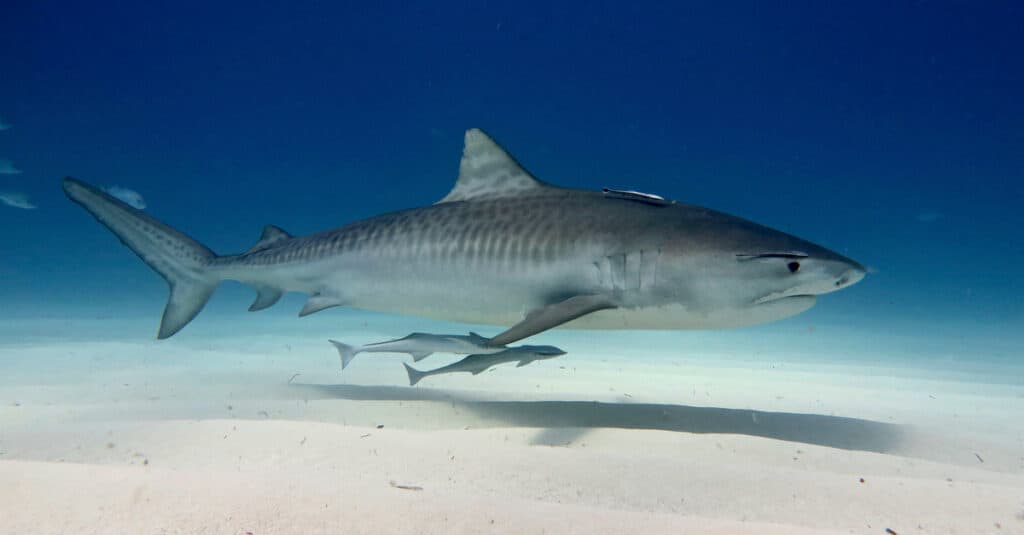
x,y
779,296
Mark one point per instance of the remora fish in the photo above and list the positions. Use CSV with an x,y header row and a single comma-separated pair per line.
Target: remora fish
x,y
420,346
477,364
504,248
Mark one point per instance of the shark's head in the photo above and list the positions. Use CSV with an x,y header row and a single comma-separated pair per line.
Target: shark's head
x,y
754,273
780,275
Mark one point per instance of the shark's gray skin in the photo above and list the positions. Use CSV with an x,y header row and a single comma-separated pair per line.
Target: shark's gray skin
x,y
420,346
504,248
477,364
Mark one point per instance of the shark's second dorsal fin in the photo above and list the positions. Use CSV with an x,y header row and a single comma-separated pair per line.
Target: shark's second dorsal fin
x,y
271,235
488,172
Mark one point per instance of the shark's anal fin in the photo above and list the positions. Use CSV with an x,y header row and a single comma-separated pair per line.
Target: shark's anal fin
x,y
266,296
552,316
318,302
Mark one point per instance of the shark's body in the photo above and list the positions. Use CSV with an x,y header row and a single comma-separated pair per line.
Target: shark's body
x,y
419,346
503,248
477,364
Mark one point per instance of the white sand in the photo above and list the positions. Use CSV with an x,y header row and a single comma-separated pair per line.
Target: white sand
x,y
748,431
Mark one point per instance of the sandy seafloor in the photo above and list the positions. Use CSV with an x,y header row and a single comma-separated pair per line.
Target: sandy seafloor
x,y
243,423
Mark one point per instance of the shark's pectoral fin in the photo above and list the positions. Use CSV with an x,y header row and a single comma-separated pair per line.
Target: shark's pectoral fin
x,y
552,316
318,302
265,298
420,355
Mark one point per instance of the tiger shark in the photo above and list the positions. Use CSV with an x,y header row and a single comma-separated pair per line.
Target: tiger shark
x,y
506,249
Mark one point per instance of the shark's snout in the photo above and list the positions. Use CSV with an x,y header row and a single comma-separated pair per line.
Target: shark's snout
x,y
851,276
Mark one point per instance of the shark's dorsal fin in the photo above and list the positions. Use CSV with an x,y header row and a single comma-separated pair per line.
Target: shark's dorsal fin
x,y
488,172
271,235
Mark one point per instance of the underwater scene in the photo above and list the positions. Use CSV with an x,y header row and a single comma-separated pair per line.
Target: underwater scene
x,y
475,267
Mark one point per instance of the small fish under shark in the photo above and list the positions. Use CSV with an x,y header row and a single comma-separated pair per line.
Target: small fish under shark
x,y
420,346
477,364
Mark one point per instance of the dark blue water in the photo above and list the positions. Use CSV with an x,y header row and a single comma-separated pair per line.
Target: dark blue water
x,y
893,133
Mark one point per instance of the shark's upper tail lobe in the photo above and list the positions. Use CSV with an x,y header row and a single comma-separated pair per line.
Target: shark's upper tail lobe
x,y
182,261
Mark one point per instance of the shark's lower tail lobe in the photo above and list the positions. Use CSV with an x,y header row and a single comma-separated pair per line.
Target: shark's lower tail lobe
x,y
180,260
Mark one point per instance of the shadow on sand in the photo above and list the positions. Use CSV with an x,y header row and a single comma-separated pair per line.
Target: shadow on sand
x,y
565,420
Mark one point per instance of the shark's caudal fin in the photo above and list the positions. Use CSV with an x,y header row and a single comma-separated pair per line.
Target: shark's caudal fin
x,y
345,351
180,260
414,374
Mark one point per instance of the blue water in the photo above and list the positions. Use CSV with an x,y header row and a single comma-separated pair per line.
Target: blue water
x,y
890,133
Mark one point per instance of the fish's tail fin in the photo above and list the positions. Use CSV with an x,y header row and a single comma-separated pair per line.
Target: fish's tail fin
x,y
183,262
345,351
414,375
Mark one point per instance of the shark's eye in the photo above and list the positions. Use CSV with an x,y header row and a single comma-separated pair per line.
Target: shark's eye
x,y
793,267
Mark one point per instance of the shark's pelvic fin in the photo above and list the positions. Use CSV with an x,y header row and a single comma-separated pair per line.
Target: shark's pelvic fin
x,y
318,302
180,260
488,172
266,296
271,234
418,356
552,316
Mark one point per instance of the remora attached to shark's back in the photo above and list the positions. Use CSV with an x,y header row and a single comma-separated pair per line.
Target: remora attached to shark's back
x,y
504,248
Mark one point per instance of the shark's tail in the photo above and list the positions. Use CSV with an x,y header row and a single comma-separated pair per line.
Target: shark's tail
x,y
345,351
180,260
414,374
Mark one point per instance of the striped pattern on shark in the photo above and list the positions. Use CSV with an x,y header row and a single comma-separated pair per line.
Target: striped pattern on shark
x,y
504,248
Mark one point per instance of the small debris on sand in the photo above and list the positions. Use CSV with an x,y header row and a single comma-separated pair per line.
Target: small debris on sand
x,y
405,487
